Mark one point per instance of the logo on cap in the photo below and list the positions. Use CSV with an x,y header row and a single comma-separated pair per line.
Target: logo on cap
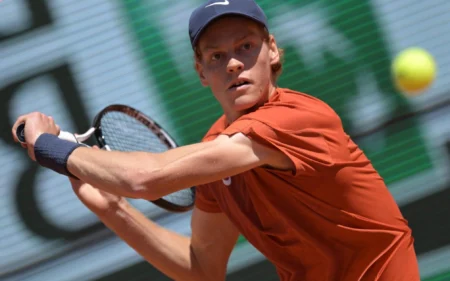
x,y
218,3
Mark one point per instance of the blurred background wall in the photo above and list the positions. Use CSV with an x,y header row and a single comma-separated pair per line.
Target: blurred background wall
x,y
69,59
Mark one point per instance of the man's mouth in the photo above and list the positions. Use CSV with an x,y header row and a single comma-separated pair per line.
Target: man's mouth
x,y
239,84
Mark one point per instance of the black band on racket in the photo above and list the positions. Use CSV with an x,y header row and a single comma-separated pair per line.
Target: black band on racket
x,y
20,133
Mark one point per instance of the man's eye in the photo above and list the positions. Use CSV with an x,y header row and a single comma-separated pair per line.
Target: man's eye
x,y
247,46
216,57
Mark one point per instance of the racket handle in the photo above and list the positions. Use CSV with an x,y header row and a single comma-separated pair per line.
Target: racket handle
x,y
20,133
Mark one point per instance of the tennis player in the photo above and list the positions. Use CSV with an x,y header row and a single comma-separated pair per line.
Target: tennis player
x,y
277,167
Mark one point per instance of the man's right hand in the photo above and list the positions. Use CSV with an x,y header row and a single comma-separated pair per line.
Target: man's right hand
x,y
98,201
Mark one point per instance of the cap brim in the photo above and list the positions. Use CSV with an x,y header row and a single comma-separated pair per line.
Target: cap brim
x,y
216,17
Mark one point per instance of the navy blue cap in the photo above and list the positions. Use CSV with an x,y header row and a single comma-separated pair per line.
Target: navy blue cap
x,y
213,9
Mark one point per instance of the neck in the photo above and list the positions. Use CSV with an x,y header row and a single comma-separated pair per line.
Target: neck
x,y
232,116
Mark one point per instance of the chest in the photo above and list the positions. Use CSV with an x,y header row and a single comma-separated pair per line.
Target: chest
x,y
252,204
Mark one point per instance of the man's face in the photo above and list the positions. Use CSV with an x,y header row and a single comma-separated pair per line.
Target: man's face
x,y
236,62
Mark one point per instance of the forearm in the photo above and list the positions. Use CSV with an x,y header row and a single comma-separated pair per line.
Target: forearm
x,y
168,251
131,174
112,171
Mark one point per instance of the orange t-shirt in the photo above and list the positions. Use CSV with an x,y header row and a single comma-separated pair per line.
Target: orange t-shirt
x,y
332,218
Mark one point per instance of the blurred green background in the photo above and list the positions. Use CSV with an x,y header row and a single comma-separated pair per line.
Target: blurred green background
x,y
70,59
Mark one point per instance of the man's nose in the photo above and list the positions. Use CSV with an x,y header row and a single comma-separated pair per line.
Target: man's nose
x,y
234,65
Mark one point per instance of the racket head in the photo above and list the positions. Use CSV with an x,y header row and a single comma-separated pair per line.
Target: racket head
x,y
123,128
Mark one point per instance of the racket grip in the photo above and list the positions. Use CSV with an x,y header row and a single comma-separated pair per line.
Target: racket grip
x,y
20,133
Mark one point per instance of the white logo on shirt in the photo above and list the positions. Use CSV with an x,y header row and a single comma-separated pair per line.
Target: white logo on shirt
x,y
218,3
227,181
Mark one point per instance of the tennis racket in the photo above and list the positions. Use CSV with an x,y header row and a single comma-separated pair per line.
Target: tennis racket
x,y
123,128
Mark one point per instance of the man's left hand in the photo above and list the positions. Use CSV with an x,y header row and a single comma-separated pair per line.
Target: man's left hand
x,y
36,124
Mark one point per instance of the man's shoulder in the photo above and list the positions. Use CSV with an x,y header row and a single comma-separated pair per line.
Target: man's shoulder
x,y
302,99
286,109
216,128
288,104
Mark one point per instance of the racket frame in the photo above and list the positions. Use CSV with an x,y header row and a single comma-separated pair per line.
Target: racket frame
x,y
163,136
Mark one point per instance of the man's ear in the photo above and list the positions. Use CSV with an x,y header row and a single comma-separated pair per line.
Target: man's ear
x,y
273,51
201,75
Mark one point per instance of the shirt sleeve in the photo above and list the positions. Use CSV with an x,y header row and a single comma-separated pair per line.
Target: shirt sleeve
x,y
299,135
205,199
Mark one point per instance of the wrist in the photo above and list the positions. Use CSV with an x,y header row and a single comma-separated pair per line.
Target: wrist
x,y
34,138
53,153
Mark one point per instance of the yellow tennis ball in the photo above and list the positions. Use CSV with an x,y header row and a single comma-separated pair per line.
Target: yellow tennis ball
x,y
414,70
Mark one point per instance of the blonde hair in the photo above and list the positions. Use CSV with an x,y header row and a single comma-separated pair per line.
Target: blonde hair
x,y
277,69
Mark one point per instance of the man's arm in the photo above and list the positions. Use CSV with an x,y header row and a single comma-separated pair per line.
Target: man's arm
x,y
151,176
204,256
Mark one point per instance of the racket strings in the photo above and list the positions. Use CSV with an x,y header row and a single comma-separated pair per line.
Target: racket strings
x,y
122,132
125,133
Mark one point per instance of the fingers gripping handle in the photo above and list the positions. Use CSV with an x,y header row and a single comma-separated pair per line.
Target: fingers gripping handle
x,y
20,133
